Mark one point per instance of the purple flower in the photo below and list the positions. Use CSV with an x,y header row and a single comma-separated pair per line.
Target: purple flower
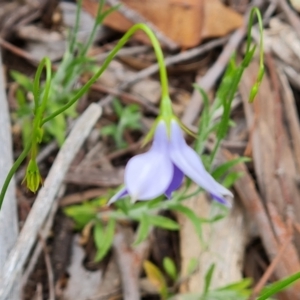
x,y
161,169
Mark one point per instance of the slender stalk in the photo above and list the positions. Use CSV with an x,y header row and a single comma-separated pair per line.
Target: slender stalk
x,y
13,171
96,23
75,31
160,58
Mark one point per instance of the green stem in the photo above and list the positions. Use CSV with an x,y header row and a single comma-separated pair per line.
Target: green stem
x,y
75,30
256,11
159,55
12,171
92,35
39,109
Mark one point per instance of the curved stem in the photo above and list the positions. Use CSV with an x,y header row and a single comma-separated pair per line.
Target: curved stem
x,y
123,40
12,171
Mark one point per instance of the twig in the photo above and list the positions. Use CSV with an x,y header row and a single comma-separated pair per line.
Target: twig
x,y
44,233
39,292
82,196
123,52
263,280
121,152
135,17
8,214
291,15
129,261
180,57
46,197
18,51
126,97
49,268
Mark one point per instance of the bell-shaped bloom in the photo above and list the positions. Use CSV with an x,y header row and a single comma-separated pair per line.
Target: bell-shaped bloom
x,y
161,170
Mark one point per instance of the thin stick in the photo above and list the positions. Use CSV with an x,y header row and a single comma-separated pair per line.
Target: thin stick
x,y
8,214
44,233
171,60
49,268
130,262
46,197
263,280
18,51
291,15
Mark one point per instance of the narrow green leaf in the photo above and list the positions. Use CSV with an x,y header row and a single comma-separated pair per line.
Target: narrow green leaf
x,y
222,169
106,13
143,230
208,277
103,238
278,286
163,222
22,80
192,266
231,178
170,267
191,216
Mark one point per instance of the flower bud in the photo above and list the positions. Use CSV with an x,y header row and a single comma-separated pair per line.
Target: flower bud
x,y
33,178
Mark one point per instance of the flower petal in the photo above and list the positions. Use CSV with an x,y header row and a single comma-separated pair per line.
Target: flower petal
x,y
120,194
176,181
148,175
188,161
221,200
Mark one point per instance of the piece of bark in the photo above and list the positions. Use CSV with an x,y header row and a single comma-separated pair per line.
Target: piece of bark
x,y
292,117
45,199
283,41
274,234
8,213
273,161
225,239
95,177
129,260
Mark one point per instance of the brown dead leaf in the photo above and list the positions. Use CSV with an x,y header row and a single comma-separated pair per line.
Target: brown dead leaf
x,y
186,22
219,19
82,284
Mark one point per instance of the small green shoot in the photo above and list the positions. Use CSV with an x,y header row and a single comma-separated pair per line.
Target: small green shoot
x,y
129,118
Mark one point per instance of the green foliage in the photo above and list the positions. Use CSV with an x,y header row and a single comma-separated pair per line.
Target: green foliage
x,y
143,230
129,117
170,268
103,237
157,279
74,64
208,278
278,286
83,213
163,222
192,266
